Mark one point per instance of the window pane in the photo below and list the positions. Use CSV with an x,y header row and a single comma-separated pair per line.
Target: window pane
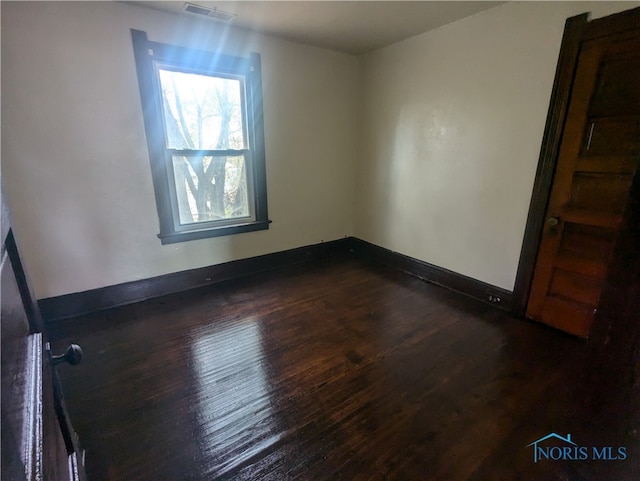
x,y
201,111
210,188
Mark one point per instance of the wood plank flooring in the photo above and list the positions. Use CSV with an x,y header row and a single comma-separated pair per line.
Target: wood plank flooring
x,y
339,371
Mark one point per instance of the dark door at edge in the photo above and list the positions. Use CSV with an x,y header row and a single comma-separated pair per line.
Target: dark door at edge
x,y
597,161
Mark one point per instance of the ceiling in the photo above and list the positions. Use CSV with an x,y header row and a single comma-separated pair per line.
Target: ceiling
x,y
353,27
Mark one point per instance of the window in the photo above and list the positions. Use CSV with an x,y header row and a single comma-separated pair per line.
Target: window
x,y
203,119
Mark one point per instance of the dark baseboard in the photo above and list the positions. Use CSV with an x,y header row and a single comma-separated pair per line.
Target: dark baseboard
x,y
71,305
437,275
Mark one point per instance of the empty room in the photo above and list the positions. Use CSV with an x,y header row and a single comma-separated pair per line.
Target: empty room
x,y
320,240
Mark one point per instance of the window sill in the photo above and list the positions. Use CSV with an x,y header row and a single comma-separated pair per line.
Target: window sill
x,y
174,237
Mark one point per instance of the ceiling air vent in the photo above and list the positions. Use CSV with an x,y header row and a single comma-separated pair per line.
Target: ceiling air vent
x,y
208,12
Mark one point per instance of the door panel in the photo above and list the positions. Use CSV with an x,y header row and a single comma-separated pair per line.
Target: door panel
x,y
617,90
17,381
597,161
606,192
575,287
610,136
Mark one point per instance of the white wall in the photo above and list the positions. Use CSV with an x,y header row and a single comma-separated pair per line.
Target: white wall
x,y
74,159
452,123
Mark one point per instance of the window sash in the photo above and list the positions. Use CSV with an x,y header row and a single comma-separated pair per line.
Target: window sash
x,y
178,226
210,72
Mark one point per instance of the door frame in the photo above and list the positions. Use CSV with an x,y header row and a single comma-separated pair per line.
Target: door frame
x,y
576,30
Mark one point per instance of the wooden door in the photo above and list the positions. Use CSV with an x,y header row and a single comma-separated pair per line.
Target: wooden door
x,y
34,421
597,161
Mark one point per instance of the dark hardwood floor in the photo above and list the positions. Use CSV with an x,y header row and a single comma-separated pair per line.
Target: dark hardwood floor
x,y
339,371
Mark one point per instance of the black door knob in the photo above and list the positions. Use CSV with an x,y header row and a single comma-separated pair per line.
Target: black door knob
x,y
73,355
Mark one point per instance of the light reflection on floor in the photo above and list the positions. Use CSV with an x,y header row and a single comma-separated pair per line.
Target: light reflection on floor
x,y
234,411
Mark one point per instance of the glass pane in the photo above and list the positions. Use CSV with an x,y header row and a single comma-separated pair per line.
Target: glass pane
x,y
201,111
210,188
